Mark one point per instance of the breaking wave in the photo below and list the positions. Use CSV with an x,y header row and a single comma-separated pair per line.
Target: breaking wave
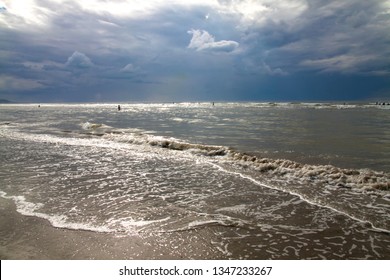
x,y
364,179
316,184
339,189
325,175
329,175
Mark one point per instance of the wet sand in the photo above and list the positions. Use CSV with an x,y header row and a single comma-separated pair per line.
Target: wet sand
x,y
27,237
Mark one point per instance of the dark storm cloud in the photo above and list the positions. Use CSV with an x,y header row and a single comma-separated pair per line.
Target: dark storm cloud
x,y
330,36
163,50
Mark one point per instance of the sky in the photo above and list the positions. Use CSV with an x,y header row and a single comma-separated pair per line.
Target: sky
x,y
195,50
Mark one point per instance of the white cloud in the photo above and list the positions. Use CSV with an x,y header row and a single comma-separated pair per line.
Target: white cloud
x,y
248,11
201,40
261,12
79,60
138,8
25,13
3,8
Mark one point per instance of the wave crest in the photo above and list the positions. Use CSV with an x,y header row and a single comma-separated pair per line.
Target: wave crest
x,y
326,174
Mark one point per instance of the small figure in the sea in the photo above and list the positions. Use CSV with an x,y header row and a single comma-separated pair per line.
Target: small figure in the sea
x,y
119,107
39,106
213,103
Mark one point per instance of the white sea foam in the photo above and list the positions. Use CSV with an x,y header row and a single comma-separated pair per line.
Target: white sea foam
x,y
330,175
89,126
235,209
135,226
333,176
197,224
27,208
316,203
179,120
287,172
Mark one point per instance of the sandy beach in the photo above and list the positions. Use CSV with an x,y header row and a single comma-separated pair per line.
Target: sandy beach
x,y
26,237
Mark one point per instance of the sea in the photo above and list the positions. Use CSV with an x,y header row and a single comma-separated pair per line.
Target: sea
x,y
251,180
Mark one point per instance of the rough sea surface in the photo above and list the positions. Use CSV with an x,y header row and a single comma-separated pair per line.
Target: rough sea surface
x,y
257,180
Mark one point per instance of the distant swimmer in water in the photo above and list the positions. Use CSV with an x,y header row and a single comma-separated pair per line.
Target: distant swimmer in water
x,y
119,107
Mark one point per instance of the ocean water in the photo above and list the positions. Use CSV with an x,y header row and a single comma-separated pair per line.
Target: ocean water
x,y
264,180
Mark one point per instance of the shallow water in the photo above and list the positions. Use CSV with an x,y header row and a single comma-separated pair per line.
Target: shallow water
x,y
263,180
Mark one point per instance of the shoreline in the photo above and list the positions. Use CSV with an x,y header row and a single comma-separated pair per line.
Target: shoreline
x,y
33,238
